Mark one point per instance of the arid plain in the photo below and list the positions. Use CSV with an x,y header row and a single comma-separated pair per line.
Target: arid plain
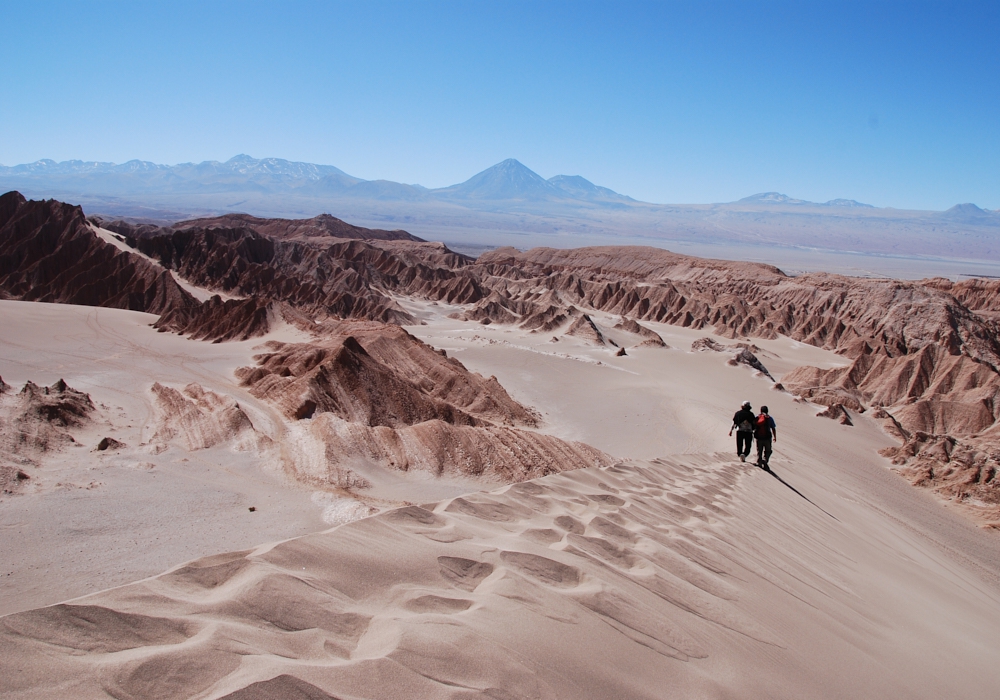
x,y
373,468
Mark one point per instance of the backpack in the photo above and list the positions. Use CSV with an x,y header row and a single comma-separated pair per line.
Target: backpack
x,y
745,426
761,428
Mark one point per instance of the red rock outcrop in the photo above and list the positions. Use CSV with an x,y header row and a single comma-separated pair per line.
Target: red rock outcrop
x,y
198,419
743,299
979,295
836,412
649,336
344,279
218,320
343,379
377,375
37,420
743,355
12,479
585,329
49,253
374,394
924,353
322,226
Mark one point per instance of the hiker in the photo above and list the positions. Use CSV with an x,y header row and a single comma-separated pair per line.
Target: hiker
x,y
743,424
764,429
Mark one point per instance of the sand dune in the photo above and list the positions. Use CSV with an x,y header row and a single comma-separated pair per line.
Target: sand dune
x,y
549,517
196,450
669,578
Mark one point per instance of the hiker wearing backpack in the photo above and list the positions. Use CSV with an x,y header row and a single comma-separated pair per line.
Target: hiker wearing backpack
x,y
763,430
743,425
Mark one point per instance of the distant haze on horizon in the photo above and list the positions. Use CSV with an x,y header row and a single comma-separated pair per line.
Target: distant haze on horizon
x,y
891,104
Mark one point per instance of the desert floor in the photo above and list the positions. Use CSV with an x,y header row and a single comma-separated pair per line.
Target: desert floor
x,y
679,573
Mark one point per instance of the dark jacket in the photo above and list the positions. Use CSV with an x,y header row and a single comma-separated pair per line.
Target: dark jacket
x,y
744,415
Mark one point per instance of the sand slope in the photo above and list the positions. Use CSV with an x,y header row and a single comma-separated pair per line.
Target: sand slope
x,y
687,577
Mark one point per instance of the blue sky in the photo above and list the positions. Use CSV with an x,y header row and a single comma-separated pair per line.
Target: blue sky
x,y
894,104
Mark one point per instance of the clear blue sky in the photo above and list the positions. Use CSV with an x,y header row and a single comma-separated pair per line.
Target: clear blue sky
x,y
895,104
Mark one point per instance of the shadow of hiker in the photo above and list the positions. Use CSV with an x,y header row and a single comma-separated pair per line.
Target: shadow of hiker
x,y
771,472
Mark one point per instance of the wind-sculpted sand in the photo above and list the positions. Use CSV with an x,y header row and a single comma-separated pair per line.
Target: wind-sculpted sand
x,y
668,578
532,484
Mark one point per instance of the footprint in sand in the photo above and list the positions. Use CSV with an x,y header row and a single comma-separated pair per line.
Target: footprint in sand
x,y
466,574
603,550
607,499
96,629
613,531
484,510
437,604
542,569
544,536
415,515
570,524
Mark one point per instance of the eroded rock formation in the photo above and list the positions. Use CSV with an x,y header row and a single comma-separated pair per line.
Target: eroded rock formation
x,y
322,226
486,452
923,354
585,329
33,422
744,354
372,394
649,336
49,253
377,374
836,412
198,419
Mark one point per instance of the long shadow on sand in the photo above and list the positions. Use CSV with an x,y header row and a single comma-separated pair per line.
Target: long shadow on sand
x,y
771,472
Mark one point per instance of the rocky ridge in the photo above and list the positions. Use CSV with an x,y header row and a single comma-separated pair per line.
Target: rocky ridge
x,y
392,401
198,419
924,354
925,357
36,421
374,394
322,226
49,253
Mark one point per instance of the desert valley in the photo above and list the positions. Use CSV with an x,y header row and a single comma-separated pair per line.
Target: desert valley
x,y
254,457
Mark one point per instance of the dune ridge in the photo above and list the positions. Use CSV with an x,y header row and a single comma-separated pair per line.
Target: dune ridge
x,y
637,580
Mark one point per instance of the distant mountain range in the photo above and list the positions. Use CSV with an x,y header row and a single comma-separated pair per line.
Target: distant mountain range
x,y
509,180
505,204
778,198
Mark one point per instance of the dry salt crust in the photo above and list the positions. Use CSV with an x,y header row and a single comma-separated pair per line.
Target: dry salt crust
x,y
679,573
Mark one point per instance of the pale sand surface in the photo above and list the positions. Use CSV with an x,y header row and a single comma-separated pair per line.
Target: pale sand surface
x,y
91,520
653,402
693,575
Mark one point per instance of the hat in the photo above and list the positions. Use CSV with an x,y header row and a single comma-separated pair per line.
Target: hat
x,y
746,404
